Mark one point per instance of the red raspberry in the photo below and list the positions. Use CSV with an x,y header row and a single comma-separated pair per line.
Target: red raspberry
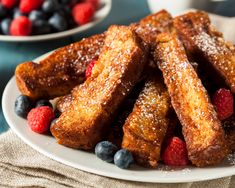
x,y
39,119
26,6
9,3
83,13
89,68
95,3
176,153
223,101
21,26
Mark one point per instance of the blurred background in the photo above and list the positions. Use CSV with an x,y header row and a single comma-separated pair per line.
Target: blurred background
x,y
122,12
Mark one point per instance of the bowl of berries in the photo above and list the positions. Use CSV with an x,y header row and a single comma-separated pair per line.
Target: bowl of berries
x,y
38,20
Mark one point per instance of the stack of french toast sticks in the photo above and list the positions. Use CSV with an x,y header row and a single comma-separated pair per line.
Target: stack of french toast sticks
x,y
149,76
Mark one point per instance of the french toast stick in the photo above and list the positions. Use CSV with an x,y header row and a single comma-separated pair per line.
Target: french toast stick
x,y
64,102
201,39
57,74
94,103
146,126
202,129
150,26
64,69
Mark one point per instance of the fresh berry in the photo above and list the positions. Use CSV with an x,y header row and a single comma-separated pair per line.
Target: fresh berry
x,y
123,158
43,102
17,13
26,6
22,106
58,22
3,11
105,150
83,13
21,26
95,3
5,26
9,3
41,27
37,15
65,2
89,68
50,6
65,11
223,101
39,119
175,153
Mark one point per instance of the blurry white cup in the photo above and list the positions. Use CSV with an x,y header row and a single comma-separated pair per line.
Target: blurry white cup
x,y
176,7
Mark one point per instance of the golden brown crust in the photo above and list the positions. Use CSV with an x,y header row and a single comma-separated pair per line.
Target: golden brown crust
x,y
202,130
64,102
57,74
150,26
145,128
199,37
94,103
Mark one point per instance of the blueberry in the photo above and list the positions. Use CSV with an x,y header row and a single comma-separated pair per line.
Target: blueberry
x,y
5,26
3,11
37,15
50,6
17,13
123,158
22,106
43,103
65,2
65,11
41,27
58,22
105,150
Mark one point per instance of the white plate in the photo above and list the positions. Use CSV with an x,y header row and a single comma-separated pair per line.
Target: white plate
x,y
89,162
98,17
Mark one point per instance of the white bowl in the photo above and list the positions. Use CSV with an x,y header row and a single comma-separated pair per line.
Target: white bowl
x,y
98,17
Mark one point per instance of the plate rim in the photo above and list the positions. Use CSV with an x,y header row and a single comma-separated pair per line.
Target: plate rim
x,y
99,16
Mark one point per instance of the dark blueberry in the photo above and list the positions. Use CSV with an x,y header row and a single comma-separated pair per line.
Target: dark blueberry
x,y
43,103
37,15
3,11
64,11
50,6
41,27
105,150
22,106
65,2
58,22
123,159
5,26
17,13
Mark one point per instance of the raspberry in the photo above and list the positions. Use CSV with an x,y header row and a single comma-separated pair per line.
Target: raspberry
x,y
83,13
26,6
39,119
223,101
21,26
89,68
9,3
175,153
